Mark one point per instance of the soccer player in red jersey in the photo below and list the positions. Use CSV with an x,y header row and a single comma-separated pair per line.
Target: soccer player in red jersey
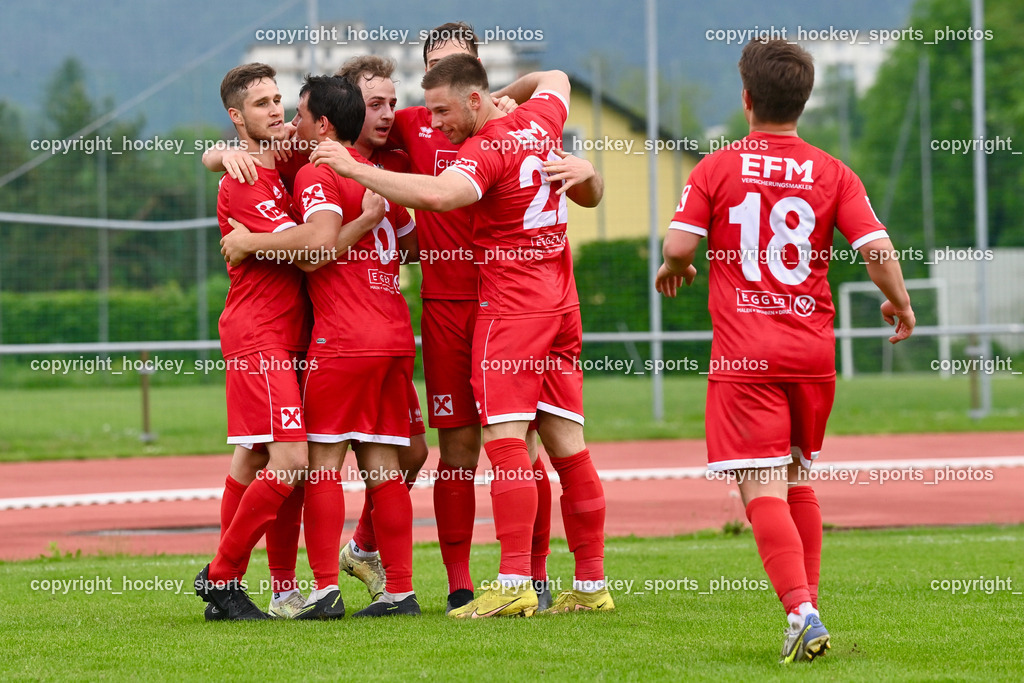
x,y
768,205
263,329
449,293
361,350
372,75
527,335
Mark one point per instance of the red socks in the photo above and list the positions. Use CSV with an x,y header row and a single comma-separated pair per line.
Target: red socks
x,y
364,536
257,508
455,510
541,544
583,511
514,501
233,491
391,509
325,519
806,514
283,542
781,550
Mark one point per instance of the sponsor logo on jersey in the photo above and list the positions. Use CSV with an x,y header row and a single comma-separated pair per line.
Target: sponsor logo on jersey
x,y
754,301
444,158
312,195
426,131
776,168
804,305
441,405
383,281
271,210
532,138
291,418
551,242
468,165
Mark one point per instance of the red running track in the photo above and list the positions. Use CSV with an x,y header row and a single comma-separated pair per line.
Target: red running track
x,y
645,507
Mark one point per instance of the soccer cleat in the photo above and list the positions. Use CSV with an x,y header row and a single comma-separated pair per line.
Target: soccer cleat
x,y
330,606
287,608
214,613
378,608
543,591
369,571
229,597
581,601
457,599
514,601
804,643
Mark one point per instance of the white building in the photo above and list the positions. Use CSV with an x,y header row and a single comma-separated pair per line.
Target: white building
x,y
858,62
337,42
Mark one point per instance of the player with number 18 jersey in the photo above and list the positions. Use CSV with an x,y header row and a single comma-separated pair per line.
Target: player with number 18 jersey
x,y
769,230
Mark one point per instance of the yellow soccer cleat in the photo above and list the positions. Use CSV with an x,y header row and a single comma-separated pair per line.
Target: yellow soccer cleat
x,y
515,601
369,571
287,608
581,601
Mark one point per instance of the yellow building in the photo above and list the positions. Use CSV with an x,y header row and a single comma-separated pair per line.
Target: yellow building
x,y
615,140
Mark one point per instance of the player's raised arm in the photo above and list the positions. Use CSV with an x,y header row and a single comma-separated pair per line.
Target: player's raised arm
x,y
237,163
304,244
441,193
884,270
580,180
529,85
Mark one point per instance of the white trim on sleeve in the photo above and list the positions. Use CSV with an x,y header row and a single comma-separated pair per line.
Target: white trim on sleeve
x,y
688,227
322,207
870,237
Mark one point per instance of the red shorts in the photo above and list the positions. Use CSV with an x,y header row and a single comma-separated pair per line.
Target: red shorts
x,y
365,398
416,427
766,424
524,365
447,336
263,398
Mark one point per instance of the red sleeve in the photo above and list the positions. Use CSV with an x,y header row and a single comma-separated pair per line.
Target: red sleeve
x,y
257,208
854,216
317,189
480,166
693,214
404,224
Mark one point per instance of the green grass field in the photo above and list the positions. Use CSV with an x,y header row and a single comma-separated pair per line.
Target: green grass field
x,y
878,600
40,424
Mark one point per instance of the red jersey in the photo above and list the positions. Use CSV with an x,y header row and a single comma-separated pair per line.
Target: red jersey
x,y
358,308
768,207
267,306
519,223
445,239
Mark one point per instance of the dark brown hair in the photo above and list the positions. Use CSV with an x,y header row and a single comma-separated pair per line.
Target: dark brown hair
x,y
238,80
452,32
779,76
460,72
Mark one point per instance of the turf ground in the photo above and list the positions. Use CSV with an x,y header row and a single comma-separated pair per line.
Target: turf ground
x,y
43,424
878,600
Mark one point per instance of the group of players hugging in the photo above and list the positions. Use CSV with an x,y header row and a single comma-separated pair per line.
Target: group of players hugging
x,y
315,225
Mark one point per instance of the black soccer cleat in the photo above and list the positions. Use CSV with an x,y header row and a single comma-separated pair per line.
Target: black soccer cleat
x,y
331,606
228,597
457,599
408,607
214,613
543,591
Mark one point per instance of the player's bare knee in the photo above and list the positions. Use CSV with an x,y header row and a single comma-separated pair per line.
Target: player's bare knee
x,y
411,458
561,437
460,446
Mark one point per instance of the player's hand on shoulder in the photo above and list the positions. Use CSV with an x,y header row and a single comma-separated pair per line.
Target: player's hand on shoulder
x,y
569,169
904,320
505,104
373,206
240,165
233,245
333,154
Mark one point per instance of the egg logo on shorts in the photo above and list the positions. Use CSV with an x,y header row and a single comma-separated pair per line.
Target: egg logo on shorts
x,y
442,405
291,418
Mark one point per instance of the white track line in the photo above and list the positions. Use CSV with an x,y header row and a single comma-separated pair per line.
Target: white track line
x,y
642,474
